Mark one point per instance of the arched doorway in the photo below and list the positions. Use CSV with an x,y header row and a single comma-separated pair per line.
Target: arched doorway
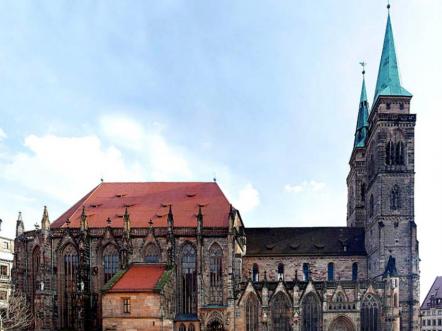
x,y
215,325
342,323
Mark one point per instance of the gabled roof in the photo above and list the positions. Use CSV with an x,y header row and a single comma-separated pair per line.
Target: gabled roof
x,y
150,200
139,278
433,294
342,241
388,82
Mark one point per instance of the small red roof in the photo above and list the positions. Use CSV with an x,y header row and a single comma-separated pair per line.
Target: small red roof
x,y
147,201
138,278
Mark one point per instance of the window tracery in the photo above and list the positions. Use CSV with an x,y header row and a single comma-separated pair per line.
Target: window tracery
x,y
252,307
370,314
69,284
281,312
187,280
216,274
311,313
152,253
111,262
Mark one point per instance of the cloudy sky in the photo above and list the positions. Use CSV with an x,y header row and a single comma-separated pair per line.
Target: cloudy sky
x,y
262,95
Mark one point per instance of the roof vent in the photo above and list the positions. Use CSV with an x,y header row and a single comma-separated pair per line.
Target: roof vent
x,y
120,195
270,246
294,246
95,205
318,246
190,195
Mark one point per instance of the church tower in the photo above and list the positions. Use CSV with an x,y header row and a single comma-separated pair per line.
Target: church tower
x,y
388,157
356,179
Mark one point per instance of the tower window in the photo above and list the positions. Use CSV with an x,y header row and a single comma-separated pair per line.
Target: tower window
x,y
400,157
371,207
395,198
331,272
280,271
388,106
363,189
401,106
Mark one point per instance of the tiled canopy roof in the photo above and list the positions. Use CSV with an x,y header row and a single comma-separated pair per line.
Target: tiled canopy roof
x,y
139,277
433,294
147,201
305,241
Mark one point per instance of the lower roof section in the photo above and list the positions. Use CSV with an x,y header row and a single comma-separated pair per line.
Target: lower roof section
x,y
342,241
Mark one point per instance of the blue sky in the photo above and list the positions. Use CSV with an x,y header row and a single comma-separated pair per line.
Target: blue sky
x,y
261,94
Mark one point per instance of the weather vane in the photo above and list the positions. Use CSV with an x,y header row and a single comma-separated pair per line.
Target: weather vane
x,y
363,65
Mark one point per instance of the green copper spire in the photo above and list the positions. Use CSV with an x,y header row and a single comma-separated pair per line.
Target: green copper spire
x,y
388,83
362,123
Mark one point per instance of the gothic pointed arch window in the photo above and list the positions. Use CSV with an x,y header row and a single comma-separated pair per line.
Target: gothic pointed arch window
x,y
311,313
354,271
182,327
389,153
395,198
216,274
281,312
111,262
187,280
35,268
400,153
370,314
255,273
331,272
152,253
252,308
371,206
191,327
69,284
363,191
280,271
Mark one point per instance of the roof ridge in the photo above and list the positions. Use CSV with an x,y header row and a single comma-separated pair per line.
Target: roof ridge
x,y
85,200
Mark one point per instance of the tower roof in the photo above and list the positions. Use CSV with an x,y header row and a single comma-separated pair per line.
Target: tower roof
x,y
362,123
388,82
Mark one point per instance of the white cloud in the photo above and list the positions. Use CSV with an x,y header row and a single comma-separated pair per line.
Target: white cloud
x,y
248,199
2,134
312,186
162,160
66,167
58,170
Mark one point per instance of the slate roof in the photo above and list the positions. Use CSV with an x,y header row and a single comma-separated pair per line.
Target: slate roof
x,y
150,200
434,293
139,278
305,241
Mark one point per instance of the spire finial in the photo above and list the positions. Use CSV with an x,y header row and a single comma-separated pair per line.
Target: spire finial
x,y
388,5
363,65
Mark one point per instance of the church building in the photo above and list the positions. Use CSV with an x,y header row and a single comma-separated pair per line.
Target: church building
x,y
178,256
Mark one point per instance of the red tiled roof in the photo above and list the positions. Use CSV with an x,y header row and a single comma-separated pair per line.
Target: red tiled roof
x,y
147,201
139,277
